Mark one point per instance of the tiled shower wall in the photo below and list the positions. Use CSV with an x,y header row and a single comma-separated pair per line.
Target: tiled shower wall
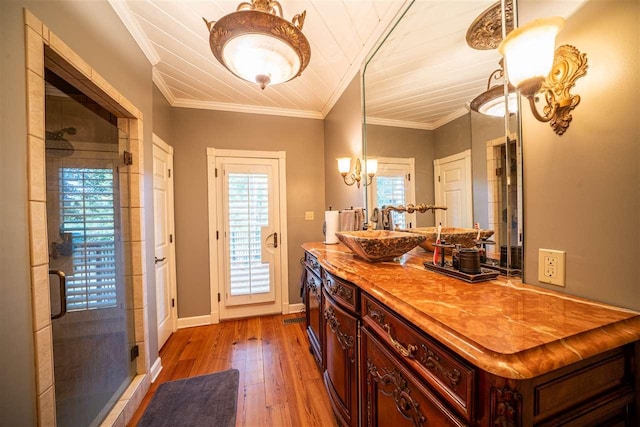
x,y
38,38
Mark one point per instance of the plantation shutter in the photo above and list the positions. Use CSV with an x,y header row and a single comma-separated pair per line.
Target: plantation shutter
x,y
87,213
391,191
248,212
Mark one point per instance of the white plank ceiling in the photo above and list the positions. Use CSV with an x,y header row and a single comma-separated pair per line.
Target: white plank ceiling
x,y
423,76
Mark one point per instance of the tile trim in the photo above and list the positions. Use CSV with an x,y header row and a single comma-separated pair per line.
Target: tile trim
x,y
37,35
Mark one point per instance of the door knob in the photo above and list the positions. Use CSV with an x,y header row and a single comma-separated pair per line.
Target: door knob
x,y
157,260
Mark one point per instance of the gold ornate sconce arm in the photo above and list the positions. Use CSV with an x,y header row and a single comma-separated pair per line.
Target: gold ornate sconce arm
x,y
569,65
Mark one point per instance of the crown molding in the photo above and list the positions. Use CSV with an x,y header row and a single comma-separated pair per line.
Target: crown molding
x,y
157,79
250,109
123,12
399,123
451,117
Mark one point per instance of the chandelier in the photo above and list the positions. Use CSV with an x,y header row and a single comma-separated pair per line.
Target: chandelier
x,y
258,45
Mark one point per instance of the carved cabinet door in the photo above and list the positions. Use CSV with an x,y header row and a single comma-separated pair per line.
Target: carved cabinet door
x,y
313,299
393,396
340,334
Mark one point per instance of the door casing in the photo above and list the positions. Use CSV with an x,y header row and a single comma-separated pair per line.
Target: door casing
x,y
172,295
214,199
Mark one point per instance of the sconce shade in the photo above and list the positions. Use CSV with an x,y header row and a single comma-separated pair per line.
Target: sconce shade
x,y
372,167
256,44
344,165
529,52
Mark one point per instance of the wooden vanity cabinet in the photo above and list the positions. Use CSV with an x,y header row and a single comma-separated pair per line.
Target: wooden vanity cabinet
x,y
380,369
341,325
394,396
313,307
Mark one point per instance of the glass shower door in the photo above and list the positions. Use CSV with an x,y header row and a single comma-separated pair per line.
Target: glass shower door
x,y
91,302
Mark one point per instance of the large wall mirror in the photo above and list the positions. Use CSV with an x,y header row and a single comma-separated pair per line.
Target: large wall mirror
x,y
422,88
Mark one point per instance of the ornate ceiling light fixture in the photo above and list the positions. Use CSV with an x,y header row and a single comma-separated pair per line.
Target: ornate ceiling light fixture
x,y
491,102
258,45
485,33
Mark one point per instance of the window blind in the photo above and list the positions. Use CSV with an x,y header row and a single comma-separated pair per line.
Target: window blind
x,y
87,212
248,206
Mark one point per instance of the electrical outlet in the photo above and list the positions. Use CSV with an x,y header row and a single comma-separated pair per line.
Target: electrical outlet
x,y
308,216
551,266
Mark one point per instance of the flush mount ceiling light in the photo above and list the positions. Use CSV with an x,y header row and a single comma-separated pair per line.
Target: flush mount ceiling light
x,y
258,45
533,67
485,33
491,102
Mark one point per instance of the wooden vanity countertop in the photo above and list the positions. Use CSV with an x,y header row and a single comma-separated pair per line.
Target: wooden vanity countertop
x,y
504,327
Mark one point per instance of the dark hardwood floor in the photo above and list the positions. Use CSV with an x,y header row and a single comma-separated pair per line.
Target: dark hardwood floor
x,y
280,384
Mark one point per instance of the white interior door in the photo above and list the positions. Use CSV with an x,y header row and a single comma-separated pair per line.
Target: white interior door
x,y
248,232
453,190
164,242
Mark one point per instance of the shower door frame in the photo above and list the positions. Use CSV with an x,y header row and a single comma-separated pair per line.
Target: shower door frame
x,y
38,40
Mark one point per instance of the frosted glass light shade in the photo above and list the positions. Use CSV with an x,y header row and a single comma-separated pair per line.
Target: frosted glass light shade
x,y
344,164
372,167
496,106
250,56
529,50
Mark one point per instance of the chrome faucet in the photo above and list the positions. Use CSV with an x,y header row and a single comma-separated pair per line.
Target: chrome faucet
x,y
387,223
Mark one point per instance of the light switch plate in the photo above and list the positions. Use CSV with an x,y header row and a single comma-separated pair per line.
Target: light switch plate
x,y
551,266
308,216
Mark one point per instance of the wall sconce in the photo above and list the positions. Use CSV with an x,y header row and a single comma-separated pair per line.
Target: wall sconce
x,y
534,68
344,166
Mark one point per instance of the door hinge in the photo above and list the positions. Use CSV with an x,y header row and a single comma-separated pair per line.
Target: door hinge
x,y
128,158
438,178
216,172
170,238
173,302
218,296
135,352
217,235
408,177
169,170
498,171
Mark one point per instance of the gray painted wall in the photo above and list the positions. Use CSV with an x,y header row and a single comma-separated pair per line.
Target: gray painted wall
x,y
161,116
582,189
389,141
192,132
453,137
483,129
343,138
94,31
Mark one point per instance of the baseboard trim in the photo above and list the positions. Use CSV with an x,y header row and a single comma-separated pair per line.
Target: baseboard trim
x,y
188,322
296,308
156,368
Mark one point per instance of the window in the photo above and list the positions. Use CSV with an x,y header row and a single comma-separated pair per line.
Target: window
x,y
87,216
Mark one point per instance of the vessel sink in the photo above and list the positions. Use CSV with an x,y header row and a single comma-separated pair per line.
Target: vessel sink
x,y
464,237
380,245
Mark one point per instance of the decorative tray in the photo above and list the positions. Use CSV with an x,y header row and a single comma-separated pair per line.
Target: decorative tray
x,y
447,269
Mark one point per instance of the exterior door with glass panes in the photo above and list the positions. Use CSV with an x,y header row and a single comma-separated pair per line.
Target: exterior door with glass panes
x,y
249,248
394,185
